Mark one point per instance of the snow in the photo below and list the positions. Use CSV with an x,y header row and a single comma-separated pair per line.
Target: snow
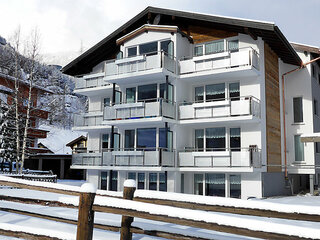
x,y
272,225
88,188
311,135
293,207
57,138
129,183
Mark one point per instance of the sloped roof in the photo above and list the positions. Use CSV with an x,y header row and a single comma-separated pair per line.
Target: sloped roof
x,y
107,48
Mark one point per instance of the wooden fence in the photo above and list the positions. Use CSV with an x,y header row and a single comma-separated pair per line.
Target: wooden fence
x,y
86,209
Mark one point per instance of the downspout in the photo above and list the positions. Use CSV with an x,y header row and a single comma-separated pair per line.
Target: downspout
x,y
303,65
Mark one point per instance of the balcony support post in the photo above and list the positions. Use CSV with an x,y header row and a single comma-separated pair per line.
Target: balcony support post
x,y
113,93
112,138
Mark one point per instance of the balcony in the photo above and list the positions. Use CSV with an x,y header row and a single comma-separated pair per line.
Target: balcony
x,y
237,109
139,67
220,158
150,110
244,62
91,83
155,157
89,120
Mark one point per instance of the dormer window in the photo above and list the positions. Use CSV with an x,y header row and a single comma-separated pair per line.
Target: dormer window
x,y
148,48
233,46
151,48
120,55
214,47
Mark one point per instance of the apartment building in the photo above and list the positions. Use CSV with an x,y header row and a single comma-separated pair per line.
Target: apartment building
x,y
191,103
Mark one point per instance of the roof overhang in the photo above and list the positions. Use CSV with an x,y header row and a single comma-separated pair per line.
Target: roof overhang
x,y
107,48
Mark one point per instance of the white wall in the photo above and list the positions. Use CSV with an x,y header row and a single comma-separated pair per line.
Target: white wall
x,y
251,185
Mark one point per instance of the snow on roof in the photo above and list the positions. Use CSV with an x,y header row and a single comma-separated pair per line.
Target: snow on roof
x,y
57,138
5,89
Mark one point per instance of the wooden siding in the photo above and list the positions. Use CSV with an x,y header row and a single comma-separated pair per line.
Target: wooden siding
x,y
272,110
204,34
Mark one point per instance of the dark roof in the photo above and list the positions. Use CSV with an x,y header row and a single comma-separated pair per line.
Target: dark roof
x,y
76,140
107,48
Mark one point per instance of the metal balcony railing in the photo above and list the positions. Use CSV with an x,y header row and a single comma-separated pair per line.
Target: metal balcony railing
x,y
145,157
222,157
153,60
220,60
226,107
91,81
157,107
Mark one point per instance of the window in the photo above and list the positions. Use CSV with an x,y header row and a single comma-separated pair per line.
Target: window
x,y
167,47
103,180
235,140
199,143
215,92
198,50
153,179
163,92
216,139
146,48
131,95
215,184
199,94
106,102
132,175
119,55
165,138
105,141
214,47
132,51
147,92
113,180
198,184
163,182
315,107
234,91
182,183
129,139
118,96
141,180
235,186
233,45
146,138
298,149
298,110
116,141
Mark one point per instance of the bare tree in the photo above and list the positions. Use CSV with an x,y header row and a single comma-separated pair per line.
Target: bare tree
x,y
32,52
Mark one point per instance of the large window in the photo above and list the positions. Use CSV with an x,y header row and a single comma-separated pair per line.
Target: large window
x,y
113,180
199,139
214,47
216,139
215,92
153,179
215,185
235,186
235,139
129,139
198,184
167,47
147,92
103,180
298,149
105,141
166,92
141,181
131,95
199,94
147,48
146,138
163,182
198,50
298,109
234,91
165,138
132,51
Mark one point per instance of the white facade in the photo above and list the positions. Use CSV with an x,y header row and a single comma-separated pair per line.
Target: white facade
x,y
182,121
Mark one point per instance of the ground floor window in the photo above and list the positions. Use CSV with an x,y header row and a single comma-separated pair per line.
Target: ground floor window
x,y
217,184
104,181
163,182
113,181
154,181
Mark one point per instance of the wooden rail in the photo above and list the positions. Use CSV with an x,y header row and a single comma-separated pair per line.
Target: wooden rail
x,y
86,211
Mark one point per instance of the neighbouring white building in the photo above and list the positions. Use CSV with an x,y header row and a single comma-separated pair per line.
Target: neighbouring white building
x,y
192,103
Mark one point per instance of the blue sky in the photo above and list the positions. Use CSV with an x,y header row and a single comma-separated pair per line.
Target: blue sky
x,y
64,24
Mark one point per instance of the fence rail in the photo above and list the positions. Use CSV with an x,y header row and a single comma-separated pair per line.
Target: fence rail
x,y
142,210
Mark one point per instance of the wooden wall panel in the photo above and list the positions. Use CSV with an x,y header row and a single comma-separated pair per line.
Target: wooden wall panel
x,y
272,110
204,34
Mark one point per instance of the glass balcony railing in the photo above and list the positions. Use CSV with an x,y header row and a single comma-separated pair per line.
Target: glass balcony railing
x,y
232,107
220,60
211,158
158,107
148,157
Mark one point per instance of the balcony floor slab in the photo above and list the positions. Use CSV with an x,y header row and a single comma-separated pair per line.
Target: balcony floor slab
x,y
139,121
125,168
223,120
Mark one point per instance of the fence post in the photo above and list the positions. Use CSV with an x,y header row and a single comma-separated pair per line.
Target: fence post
x,y
128,192
86,214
